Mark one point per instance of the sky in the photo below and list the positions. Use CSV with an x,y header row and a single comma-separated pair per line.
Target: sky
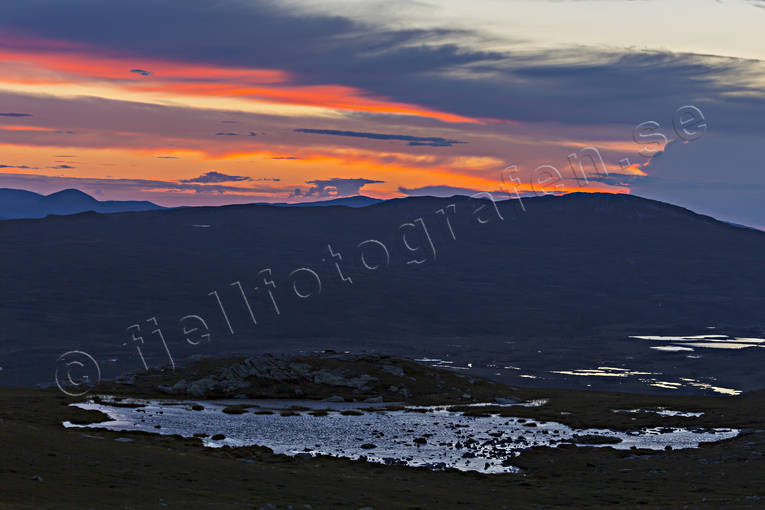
x,y
191,102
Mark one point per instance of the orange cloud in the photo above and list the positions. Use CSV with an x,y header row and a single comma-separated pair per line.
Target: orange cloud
x,y
132,152
175,79
26,128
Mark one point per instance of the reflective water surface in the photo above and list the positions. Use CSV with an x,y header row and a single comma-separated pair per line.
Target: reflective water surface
x,y
415,436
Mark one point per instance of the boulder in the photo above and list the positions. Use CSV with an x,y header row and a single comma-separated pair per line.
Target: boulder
x,y
393,370
508,400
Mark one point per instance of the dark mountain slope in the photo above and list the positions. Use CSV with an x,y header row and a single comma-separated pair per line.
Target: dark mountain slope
x,y
578,272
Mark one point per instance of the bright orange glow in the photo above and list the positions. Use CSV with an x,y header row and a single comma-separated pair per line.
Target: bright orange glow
x,y
26,128
337,97
186,79
636,169
161,154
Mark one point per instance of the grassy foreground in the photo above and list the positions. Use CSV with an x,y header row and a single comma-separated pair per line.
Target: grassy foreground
x,y
43,465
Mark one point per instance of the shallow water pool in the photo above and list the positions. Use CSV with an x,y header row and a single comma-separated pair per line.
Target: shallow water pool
x,y
415,436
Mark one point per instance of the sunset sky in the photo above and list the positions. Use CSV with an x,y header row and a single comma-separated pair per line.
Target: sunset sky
x,y
190,102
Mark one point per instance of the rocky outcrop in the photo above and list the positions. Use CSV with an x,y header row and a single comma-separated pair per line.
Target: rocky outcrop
x,y
325,375
237,379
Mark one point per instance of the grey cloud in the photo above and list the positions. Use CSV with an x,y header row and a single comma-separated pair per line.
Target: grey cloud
x,y
215,177
141,72
438,68
718,175
226,134
336,187
612,179
413,140
446,143
21,167
437,191
15,114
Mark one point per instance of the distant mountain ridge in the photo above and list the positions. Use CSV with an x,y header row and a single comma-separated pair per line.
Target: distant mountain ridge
x,y
20,204
355,201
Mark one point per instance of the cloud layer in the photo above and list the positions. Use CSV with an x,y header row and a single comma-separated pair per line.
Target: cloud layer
x,y
342,104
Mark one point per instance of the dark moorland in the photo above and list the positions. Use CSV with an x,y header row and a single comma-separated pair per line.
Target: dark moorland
x,y
561,282
46,466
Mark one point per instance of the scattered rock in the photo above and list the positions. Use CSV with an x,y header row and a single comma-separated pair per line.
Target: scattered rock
x,y
208,384
508,400
125,379
218,437
393,370
595,439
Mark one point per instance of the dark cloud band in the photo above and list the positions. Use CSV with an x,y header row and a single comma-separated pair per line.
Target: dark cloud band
x,y
215,177
438,68
334,187
413,140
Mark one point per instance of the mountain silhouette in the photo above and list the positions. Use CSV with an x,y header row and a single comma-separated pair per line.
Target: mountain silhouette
x,y
18,204
355,201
